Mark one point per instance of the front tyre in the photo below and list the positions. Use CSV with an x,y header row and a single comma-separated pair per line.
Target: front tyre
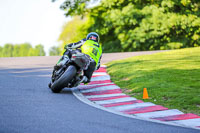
x,y
66,77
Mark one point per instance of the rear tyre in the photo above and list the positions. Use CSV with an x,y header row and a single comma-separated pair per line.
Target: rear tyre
x,y
67,76
49,85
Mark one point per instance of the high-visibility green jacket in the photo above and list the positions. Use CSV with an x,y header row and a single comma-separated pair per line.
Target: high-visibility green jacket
x,y
93,49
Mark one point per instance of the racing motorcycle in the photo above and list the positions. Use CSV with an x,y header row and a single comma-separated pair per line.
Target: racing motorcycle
x,y
70,74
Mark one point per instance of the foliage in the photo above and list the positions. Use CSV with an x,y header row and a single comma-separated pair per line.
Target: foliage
x,y
69,33
54,51
1,49
25,49
38,50
6,50
131,25
74,31
76,7
171,78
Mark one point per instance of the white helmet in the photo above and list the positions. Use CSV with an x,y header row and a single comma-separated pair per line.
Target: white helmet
x,y
93,36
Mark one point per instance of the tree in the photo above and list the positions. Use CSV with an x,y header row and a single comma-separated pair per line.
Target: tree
x,y
39,50
7,50
1,51
54,51
131,25
74,31
16,51
25,49
76,7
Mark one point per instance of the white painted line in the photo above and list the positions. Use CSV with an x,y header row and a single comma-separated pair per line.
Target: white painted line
x,y
99,78
93,85
104,66
131,106
99,73
189,122
106,95
160,113
102,84
115,100
110,87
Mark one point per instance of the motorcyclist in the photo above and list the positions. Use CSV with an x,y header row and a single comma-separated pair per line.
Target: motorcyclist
x,y
89,46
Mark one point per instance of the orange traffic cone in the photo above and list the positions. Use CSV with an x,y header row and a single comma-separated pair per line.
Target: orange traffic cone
x,y
145,94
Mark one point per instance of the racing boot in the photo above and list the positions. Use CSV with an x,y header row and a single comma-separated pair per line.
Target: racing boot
x,y
83,79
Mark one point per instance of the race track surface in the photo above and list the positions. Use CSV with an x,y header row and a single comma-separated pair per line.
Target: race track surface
x,y
27,105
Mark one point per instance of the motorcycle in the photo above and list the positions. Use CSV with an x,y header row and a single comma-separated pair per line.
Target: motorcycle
x,y
70,74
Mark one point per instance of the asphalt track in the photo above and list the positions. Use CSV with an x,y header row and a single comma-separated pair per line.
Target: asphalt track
x,y
28,106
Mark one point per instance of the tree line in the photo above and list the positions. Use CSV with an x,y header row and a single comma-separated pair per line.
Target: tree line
x,y
18,50
134,25
124,25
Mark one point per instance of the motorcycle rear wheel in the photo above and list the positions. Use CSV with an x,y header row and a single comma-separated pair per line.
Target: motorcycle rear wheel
x,y
64,79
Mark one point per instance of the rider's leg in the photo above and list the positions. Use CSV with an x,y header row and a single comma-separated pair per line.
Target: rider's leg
x,y
88,73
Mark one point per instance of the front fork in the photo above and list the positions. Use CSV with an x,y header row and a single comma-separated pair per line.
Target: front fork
x,y
63,60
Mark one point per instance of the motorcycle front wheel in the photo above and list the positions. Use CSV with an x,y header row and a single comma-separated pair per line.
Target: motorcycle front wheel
x,y
64,79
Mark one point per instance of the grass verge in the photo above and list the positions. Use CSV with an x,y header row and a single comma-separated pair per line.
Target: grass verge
x,y
172,78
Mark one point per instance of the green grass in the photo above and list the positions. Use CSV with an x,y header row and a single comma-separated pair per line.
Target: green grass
x,y
172,78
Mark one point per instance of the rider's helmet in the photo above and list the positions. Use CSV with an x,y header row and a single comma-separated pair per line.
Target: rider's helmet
x,y
93,36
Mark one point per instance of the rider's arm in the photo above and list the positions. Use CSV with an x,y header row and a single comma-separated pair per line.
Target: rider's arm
x,y
76,45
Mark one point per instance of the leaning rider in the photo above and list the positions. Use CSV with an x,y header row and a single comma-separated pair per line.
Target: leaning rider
x,y
89,46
